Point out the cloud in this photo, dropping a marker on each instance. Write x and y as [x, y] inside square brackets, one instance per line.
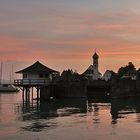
[61, 32]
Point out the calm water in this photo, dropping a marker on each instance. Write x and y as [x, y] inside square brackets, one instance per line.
[68, 119]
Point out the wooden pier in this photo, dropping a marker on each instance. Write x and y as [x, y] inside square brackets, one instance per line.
[31, 82]
[43, 88]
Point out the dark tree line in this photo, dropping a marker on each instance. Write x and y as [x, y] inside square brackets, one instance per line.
[130, 68]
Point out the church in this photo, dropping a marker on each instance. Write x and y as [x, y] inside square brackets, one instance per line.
[92, 72]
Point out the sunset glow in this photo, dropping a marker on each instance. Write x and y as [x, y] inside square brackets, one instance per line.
[65, 34]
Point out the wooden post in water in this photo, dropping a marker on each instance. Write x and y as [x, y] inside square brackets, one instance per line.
[37, 98]
[28, 93]
[32, 93]
[23, 95]
[37, 93]
[26, 97]
[32, 96]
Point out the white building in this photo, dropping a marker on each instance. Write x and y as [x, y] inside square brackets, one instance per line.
[93, 70]
[36, 74]
[130, 75]
[107, 75]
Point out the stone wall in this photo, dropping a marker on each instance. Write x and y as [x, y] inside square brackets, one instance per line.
[123, 88]
[46, 92]
[138, 82]
[70, 90]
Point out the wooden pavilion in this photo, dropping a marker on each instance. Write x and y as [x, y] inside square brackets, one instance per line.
[37, 75]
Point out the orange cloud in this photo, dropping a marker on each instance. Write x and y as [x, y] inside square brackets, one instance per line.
[74, 38]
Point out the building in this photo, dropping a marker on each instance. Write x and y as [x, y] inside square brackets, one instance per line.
[107, 75]
[36, 74]
[130, 75]
[93, 70]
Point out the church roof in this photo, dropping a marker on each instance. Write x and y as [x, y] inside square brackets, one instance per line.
[90, 68]
[95, 55]
[37, 67]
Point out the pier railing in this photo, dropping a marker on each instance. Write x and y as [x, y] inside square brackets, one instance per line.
[31, 82]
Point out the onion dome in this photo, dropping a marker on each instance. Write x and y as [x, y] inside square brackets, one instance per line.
[95, 56]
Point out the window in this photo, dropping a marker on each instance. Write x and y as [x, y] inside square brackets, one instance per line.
[25, 75]
[40, 75]
[46, 75]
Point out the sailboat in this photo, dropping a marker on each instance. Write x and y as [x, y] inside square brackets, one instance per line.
[7, 87]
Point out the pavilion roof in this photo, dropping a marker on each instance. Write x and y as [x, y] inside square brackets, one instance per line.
[37, 67]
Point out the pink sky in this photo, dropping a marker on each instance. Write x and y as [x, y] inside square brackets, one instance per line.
[65, 35]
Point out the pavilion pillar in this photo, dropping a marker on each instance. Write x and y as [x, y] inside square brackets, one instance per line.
[23, 94]
[37, 93]
[32, 93]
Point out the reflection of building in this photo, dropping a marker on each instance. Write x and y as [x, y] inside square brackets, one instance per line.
[93, 70]
[121, 108]
[35, 112]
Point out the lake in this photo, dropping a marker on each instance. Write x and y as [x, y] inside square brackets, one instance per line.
[68, 119]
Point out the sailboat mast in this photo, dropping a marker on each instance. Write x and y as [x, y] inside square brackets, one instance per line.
[12, 76]
[1, 74]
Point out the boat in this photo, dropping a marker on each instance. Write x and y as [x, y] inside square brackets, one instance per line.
[7, 87]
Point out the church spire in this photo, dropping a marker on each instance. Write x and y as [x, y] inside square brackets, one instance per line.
[95, 56]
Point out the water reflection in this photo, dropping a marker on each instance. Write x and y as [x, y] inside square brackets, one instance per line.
[97, 107]
[38, 126]
[67, 118]
[121, 108]
[41, 114]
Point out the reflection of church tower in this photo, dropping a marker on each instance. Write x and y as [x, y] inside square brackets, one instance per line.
[95, 66]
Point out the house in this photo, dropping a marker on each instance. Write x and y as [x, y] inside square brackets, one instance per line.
[107, 75]
[37, 73]
[130, 75]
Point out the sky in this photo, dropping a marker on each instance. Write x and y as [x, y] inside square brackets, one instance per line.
[64, 34]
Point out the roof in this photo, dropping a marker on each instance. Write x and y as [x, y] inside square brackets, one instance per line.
[110, 71]
[90, 68]
[37, 67]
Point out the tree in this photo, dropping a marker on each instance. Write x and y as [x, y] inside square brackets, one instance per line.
[69, 75]
[127, 69]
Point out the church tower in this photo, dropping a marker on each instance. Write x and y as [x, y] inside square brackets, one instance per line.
[95, 66]
[92, 72]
